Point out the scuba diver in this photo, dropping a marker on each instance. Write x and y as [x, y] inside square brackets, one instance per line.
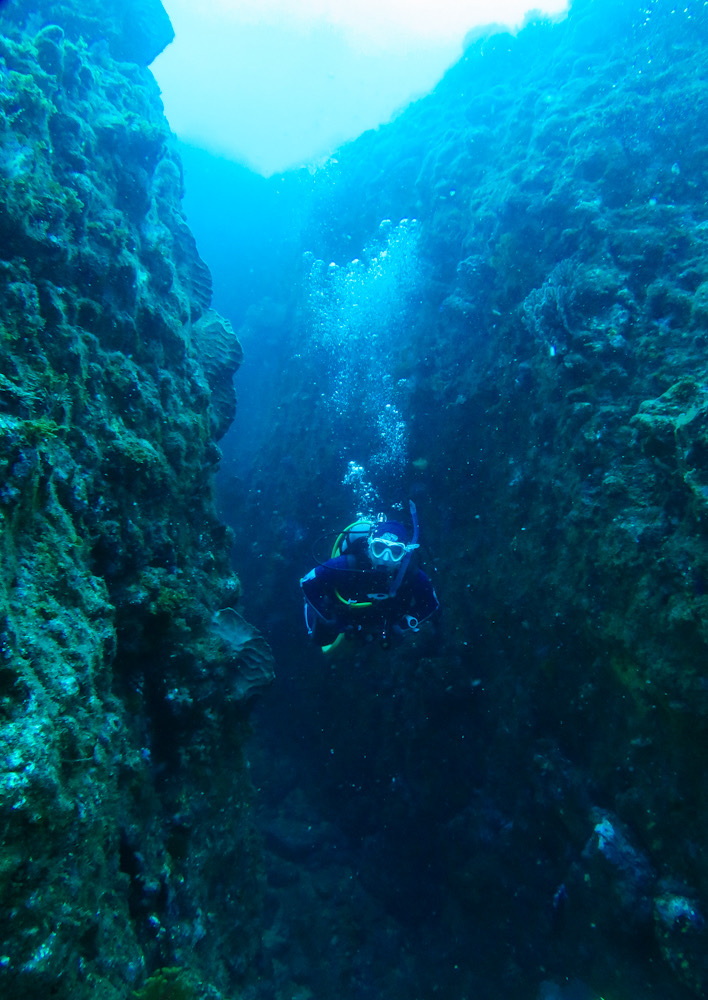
[368, 589]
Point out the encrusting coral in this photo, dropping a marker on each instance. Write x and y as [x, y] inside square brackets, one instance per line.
[115, 694]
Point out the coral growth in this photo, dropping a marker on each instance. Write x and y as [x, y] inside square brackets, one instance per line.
[112, 558]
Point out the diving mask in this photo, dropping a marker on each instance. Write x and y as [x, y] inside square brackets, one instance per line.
[387, 551]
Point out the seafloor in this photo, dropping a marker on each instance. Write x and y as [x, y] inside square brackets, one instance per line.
[517, 810]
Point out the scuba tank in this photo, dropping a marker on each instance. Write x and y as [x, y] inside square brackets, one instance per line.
[357, 531]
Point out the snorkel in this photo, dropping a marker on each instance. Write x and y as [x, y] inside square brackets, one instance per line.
[414, 519]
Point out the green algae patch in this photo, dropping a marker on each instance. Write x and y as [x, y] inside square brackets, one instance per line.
[674, 430]
[699, 307]
[170, 984]
[634, 681]
[127, 452]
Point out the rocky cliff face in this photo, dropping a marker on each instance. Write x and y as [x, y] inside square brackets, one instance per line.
[121, 696]
[554, 385]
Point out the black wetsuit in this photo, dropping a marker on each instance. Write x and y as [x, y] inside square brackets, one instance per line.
[348, 595]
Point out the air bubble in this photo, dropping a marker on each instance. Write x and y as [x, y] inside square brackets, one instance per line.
[357, 325]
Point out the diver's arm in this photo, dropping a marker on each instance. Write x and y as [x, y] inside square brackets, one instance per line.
[318, 588]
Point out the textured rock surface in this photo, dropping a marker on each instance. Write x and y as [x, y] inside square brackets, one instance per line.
[557, 408]
[135, 30]
[117, 698]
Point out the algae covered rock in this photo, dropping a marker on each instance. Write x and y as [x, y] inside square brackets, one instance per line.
[135, 30]
[674, 430]
[113, 561]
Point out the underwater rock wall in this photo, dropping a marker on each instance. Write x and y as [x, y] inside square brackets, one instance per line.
[123, 797]
[556, 376]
